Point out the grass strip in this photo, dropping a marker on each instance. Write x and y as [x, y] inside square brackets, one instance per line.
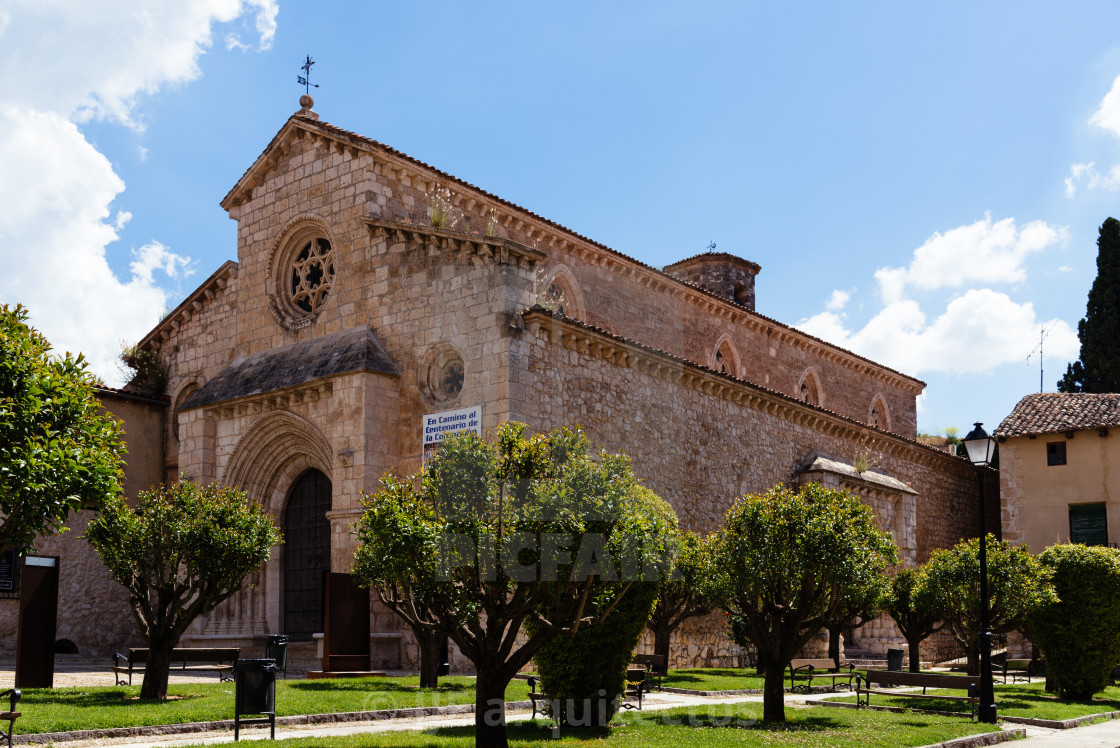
[93, 708]
[1013, 700]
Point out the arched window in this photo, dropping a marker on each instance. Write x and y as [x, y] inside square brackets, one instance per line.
[879, 416]
[560, 294]
[809, 388]
[725, 360]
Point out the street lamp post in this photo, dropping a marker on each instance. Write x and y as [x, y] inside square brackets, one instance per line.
[981, 448]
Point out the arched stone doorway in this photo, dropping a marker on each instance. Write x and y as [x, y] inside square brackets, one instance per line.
[307, 554]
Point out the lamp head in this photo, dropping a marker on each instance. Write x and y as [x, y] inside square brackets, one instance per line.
[981, 447]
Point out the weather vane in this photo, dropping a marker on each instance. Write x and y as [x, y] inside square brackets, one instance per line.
[305, 80]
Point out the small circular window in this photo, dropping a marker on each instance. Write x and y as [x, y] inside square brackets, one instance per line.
[441, 375]
[312, 273]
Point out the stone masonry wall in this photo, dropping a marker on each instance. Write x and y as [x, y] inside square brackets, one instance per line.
[696, 446]
[93, 610]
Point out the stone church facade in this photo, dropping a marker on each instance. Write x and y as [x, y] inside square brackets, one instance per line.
[372, 289]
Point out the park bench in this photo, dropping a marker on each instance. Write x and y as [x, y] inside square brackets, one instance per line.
[11, 715]
[656, 665]
[823, 668]
[634, 688]
[192, 659]
[877, 680]
[1014, 668]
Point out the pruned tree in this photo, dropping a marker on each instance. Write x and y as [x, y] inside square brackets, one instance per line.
[583, 674]
[681, 595]
[1079, 631]
[491, 534]
[58, 452]
[786, 562]
[913, 606]
[1016, 583]
[1097, 369]
[180, 552]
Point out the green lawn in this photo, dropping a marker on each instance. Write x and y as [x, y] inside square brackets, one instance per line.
[710, 726]
[1016, 700]
[60, 709]
[715, 679]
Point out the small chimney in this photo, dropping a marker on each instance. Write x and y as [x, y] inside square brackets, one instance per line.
[719, 273]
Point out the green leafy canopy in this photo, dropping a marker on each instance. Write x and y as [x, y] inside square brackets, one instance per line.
[180, 552]
[1079, 630]
[58, 453]
[1016, 583]
[1098, 366]
[787, 563]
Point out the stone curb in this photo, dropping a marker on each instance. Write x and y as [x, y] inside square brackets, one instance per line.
[227, 724]
[986, 738]
[1062, 724]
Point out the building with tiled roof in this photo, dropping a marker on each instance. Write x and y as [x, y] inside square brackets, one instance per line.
[1060, 470]
[377, 301]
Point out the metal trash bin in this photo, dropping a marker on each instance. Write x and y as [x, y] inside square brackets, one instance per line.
[276, 648]
[254, 693]
[894, 660]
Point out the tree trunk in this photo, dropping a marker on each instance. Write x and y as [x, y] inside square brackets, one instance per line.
[774, 693]
[834, 643]
[661, 638]
[490, 709]
[430, 645]
[974, 660]
[915, 655]
[156, 671]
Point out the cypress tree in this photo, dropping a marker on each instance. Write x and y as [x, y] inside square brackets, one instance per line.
[1098, 368]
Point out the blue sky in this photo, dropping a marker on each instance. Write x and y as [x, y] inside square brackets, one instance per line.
[921, 184]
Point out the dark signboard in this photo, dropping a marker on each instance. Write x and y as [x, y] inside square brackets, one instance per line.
[9, 571]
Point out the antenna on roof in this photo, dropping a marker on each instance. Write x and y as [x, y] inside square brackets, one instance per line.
[1042, 333]
[305, 79]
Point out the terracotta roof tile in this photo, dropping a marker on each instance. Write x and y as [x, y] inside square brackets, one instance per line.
[1055, 412]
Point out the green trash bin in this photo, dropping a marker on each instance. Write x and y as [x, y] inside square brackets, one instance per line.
[276, 649]
[254, 693]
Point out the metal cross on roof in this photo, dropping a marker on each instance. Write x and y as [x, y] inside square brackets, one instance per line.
[305, 80]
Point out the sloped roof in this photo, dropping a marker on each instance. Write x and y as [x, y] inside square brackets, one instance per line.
[1055, 412]
[308, 123]
[277, 368]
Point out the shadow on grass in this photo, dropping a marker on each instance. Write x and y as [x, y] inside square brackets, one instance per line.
[371, 685]
[100, 699]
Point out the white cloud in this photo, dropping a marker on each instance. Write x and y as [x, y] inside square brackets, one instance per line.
[1092, 179]
[978, 331]
[975, 330]
[838, 300]
[982, 252]
[65, 62]
[1107, 116]
[233, 41]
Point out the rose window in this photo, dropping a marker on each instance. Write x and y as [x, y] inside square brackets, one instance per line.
[312, 275]
[442, 375]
